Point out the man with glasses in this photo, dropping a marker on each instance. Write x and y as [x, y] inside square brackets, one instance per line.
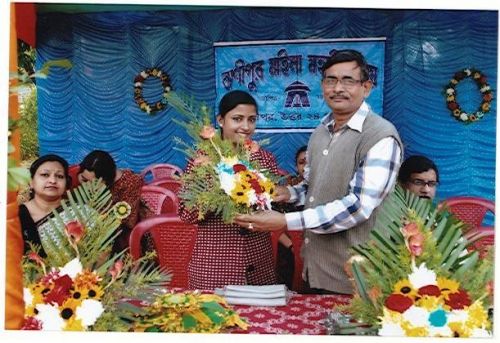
[419, 175]
[353, 160]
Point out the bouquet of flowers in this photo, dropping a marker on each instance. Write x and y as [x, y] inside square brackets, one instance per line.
[431, 285]
[222, 179]
[79, 285]
[183, 312]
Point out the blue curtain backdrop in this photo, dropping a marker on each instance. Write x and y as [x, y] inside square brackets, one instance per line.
[91, 106]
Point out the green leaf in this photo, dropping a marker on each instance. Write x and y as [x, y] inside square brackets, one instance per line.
[188, 321]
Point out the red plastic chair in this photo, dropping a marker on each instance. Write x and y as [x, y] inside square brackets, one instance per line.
[159, 171]
[483, 237]
[470, 210]
[167, 183]
[159, 201]
[297, 237]
[174, 242]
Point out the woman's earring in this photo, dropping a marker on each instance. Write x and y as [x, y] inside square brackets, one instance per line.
[32, 193]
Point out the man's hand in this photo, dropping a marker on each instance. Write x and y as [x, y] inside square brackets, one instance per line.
[262, 221]
[281, 194]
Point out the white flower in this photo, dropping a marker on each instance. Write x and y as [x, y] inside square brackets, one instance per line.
[484, 89]
[89, 311]
[458, 316]
[422, 276]
[463, 116]
[138, 84]
[467, 72]
[480, 333]
[144, 74]
[440, 331]
[158, 74]
[226, 182]
[417, 316]
[391, 329]
[450, 91]
[27, 297]
[72, 268]
[49, 316]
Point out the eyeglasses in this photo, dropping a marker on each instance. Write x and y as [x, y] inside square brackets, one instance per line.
[423, 183]
[330, 81]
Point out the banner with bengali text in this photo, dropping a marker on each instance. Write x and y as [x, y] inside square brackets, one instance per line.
[285, 77]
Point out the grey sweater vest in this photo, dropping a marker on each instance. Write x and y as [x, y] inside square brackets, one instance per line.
[326, 254]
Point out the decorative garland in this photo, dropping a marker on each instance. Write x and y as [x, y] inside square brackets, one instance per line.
[484, 88]
[138, 82]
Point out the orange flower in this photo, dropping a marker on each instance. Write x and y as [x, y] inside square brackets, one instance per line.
[415, 243]
[116, 270]
[75, 230]
[485, 107]
[207, 132]
[252, 146]
[201, 160]
[410, 230]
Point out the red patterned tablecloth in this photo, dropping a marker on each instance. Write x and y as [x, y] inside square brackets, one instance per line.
[304, 315]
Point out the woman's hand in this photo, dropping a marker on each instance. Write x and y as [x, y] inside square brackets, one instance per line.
[281, 194]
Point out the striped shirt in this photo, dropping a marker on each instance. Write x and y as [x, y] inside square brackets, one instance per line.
[373, 179]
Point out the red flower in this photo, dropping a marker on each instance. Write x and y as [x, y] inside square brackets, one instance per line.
[398, 302]
[256, 186]
[60, 292]
[452, 105]
[138, 78]
[239, 167]
[431, 290]
[459, 300]
[31, 323]
[487, 97]
[75, 230]
[482, 80]
[252, 146]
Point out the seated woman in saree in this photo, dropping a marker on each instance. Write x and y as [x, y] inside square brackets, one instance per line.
[225, 254]
[49, 182]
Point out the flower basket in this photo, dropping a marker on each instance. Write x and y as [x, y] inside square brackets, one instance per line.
[222, 179]
[431, 285]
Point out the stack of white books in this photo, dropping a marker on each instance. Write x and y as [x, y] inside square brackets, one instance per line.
[268, 295]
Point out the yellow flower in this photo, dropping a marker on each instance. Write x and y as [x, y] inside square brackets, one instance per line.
[477, 75]
[447, 286]
[240, 194]
[456, 112]
[268, 186]
[477, 316]
[68, 309]
[450, 98]
[430, 303]
[404, 287]
[485, 107]
[74, 325]
[414, 331]
[454, 81]
[122, 209]
[459, 329]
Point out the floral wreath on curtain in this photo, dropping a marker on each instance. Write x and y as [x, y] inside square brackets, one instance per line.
[484, 88]
[138, 83]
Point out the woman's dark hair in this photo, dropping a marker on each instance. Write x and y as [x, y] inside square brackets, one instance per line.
[234, 98]
[301, 149]
[348, 55]
[416, 164]
[51, 158]
[102, 164]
